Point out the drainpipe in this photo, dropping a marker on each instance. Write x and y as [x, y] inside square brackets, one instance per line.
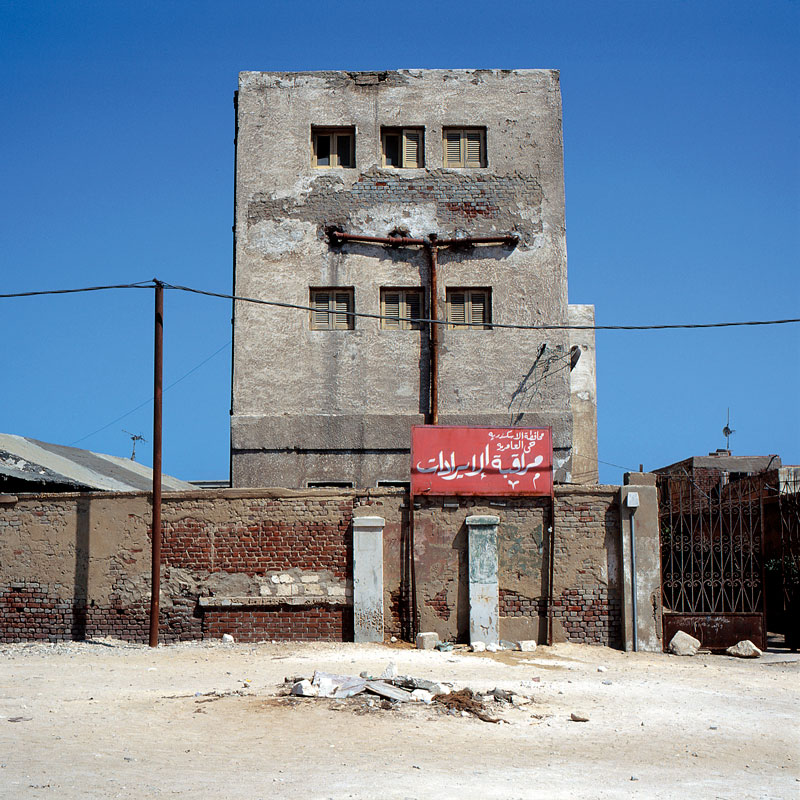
[433, 256]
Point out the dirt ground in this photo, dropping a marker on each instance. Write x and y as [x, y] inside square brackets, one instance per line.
[106, 719]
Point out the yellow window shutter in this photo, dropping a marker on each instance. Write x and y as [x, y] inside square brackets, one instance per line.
[458, 308]
[474, 148]
[391, 308]
[412, 156]
[478, 308]
[320, 305]
[452, 149]
[342, 319]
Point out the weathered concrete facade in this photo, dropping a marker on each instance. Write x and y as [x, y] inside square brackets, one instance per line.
[314, 406]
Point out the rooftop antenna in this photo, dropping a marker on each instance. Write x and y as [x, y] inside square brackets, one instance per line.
[135, 437]
[727, 431]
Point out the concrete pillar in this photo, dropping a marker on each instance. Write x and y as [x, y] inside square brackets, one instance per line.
[484, 591]
[368, 579]
[638, 501]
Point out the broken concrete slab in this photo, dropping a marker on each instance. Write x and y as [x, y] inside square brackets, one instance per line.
[526, 645]
[304, 688]
[682, 644]
[339, 686]
[385, 689]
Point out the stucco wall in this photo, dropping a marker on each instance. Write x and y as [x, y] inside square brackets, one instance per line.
[311, 405]
[278, 564]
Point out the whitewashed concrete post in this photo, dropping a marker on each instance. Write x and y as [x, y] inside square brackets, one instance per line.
[484, 592]
[368, 579]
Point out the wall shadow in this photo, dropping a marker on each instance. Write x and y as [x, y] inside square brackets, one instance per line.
[461, 546]
[80, 594]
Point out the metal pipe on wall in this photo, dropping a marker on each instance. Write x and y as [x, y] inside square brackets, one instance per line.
[433, 256]
[155, 557]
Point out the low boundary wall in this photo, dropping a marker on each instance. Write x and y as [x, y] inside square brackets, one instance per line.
[277, 564]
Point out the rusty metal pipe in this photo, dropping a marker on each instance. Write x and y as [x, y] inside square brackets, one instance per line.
[433, 255]
[396, 240]
[155, 559]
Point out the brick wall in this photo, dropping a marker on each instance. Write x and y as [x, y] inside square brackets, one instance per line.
[75, 566]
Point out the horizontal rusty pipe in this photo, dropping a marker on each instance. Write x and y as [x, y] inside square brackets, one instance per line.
[508, 239]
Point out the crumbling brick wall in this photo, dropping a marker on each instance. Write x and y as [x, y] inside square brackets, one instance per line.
[277, 564]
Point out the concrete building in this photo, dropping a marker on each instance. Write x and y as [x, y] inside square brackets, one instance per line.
[429, 158]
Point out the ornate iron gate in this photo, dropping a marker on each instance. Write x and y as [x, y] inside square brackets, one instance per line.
[712, 541]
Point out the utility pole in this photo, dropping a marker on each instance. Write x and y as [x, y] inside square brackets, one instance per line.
[155, 559]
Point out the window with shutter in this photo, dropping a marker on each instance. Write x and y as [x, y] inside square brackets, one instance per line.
[402, 307]
[333, 147]
[403, 148]
[469, 307]
[464, 147]
[331, 309]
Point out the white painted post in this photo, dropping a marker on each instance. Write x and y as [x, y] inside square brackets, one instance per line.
[484, 591]
[368, 579]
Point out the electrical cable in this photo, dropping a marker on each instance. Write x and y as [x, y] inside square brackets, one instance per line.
[139, 285]
[426, 321]
[150, 400]
[152, 283]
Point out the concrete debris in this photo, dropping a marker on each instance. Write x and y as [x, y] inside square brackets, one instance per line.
[422, 696]
[578, 717]
[526, 645]
[744, 649]
[227, 638]
[385, 689]
[338, 686]
[478, 647]
[304, 688]
[427, 640]
[434, 687]
[390, 671]
[506, 645]
[444, 647]
[502, 695]
[682, 644]
[602, 669]
[494, 647]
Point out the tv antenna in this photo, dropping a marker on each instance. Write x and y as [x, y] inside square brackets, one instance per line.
[135, 437]
[727, 431]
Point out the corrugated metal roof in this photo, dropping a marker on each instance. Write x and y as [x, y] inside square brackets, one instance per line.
[53, 464]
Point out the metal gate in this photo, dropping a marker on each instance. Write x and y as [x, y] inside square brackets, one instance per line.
[712, 571]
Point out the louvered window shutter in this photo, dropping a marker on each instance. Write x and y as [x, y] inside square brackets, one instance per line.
[478, 308]
[342, 319]
[458, 309]
[391, 308]
[320, 313]
[473, 144]
[452, 149]
[414, 308]
[412, 156]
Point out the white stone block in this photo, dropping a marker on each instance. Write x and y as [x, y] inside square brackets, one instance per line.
[306, 578]
[285, 578]
[336, 591]
[427, 640]
[526, 645]
[478, 647]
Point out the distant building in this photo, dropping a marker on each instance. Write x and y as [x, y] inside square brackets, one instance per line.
[28, 466]
[321, 397]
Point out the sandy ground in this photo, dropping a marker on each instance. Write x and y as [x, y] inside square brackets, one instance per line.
[106, 719]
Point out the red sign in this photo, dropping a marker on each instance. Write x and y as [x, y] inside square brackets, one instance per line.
[493, 461]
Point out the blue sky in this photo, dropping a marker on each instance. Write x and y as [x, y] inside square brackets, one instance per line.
[682, 166]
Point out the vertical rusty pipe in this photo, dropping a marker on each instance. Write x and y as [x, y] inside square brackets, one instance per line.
[155, 561]
[551, 568]
[413, 568]
[433, 253]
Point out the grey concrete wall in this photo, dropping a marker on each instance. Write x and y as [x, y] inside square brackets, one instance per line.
[646, 588]
[312, 405]
[583, 396]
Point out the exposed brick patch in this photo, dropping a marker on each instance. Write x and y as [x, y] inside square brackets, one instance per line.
[518, 605]
[315, 623]
[439, 604]
[589, 615]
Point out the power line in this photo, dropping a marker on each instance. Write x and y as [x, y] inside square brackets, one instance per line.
[140, 285]
[150, 400]
[361, 314]
[354, 314]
